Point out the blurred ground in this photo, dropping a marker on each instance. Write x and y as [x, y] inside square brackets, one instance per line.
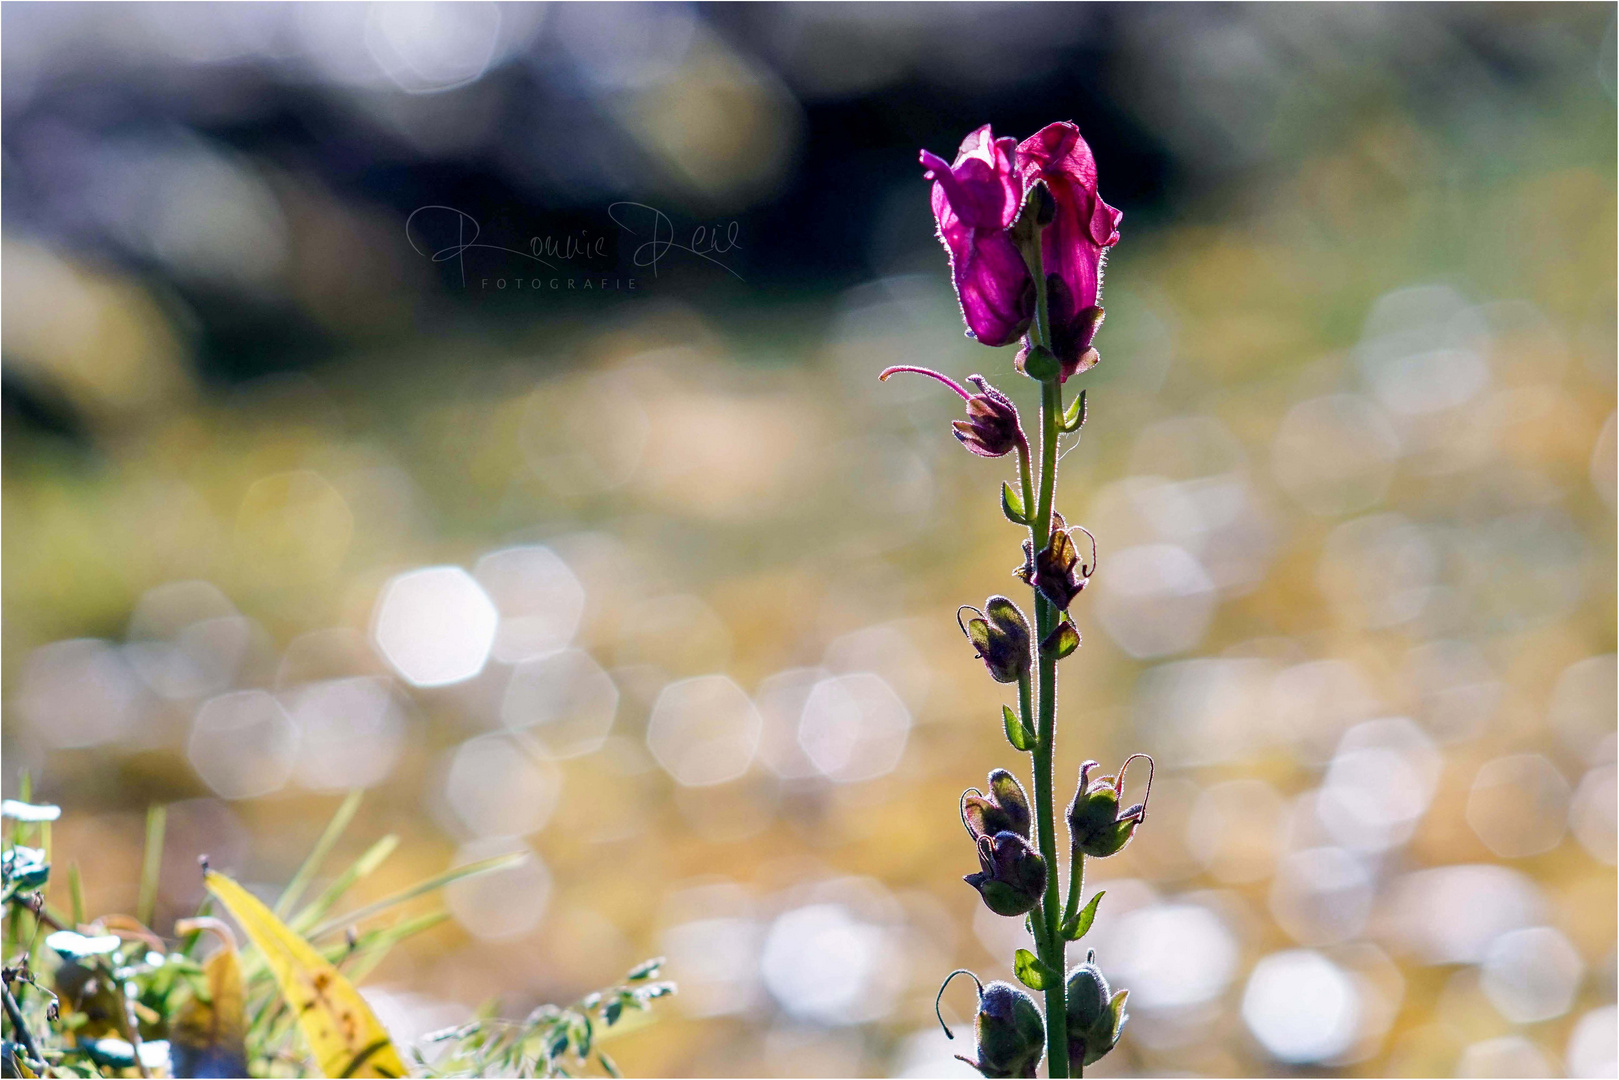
[657, 581]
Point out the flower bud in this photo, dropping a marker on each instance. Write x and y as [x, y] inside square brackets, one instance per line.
[992, 427]
[1037, 210]
[1057, 570]
[1009, 1031]
[1095, 1015]
[1012, 878]
[1095, 824]
[1004, 809]
[1000, 637]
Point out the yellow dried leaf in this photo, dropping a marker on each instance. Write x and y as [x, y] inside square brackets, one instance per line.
[207, 1036]
[342, 1032]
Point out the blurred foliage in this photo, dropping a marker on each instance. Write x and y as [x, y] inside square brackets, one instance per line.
[108, 997]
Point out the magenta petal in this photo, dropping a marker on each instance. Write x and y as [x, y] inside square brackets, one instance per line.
[993, 284]
[1085, 226]
[975, 201]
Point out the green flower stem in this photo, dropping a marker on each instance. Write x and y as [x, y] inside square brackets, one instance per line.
[1026, 481]
[1053, 947]
[1076, 885]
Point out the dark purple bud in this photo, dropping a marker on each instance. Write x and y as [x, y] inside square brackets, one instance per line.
[992, 428]
[1057, 571]
[1000, 637]
[1004, 809]
[1012, 876]
[1010, 1032]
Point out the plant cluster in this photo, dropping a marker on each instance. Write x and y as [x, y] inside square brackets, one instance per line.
[108, 996]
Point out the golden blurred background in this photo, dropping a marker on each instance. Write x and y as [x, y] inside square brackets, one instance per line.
[657, 582]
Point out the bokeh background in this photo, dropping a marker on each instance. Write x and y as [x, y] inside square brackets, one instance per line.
[655, 580]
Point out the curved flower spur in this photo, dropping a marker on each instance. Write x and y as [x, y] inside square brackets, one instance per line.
[1027, 233]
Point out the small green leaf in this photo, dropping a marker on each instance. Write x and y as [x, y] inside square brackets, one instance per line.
[584, 1033]
[646, 969]
[1080, 924]
[614, 1010]
[1012, 505]
[1074, 418]
[29, 812]
[1016, 733]
[609, 1066]
[1060, 642]
[24, 868]
[1032, 972]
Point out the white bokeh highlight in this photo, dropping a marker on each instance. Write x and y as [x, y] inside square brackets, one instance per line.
[243, 745]
[539, 599]
[435, 626]
[854, 727]
[1301, 1007]
[564, 701]
[703, 730]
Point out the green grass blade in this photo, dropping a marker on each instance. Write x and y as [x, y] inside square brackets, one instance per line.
[157, 817]
[75, 892]
[369, 955]
[317, 855]
[362, 867]
[483, 866]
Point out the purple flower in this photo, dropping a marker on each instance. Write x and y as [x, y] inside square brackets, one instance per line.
[975, 201]
[1074, 244]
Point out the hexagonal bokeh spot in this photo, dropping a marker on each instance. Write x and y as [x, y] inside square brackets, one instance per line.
[80, 692]
[565, 701]
[243, 745]
[1518, 805]
[435, 626]
[1532, 974]
[496, 789]
[505, 904]
[350, 732]
[539, 599]
[703, 730]
[780, 700]
[854, 727]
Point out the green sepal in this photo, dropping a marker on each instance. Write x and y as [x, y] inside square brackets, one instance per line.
[1012, 505]
[1074, 418]
[1080, 924]
[1040, 363]
[1033, 972]
[1114, 1027]
[1016, 734]
[1061, 642]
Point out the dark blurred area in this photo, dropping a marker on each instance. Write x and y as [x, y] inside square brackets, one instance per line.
[392, 388]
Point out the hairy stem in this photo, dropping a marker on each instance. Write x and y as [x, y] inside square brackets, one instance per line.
[1046, 616]
[1076, 884]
